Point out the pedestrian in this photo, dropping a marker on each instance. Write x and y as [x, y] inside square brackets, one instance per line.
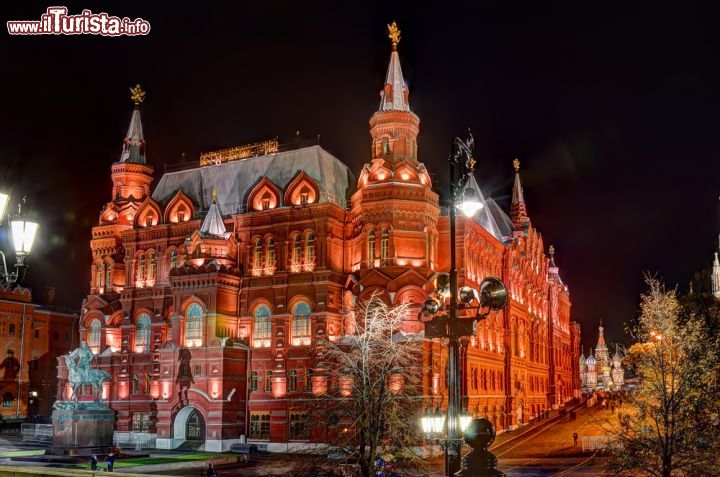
[93, 462]
[211, 470]
[110, 461]
[575, 439]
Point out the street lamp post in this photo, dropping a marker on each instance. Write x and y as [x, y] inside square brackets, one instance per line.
[492, 295]
[23, 236]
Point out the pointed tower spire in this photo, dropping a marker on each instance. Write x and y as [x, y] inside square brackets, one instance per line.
[518, 212]
[395, 94]
[213, 223]
[134, 143]
[715, 277]
[601, 338]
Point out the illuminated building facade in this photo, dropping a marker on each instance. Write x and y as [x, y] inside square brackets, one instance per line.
[600, 370]
[32, 337]
[210, 289]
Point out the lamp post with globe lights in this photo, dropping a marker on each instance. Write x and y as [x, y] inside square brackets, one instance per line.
[22, 232]
[492, 296]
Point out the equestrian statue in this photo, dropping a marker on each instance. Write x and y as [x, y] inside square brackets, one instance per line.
[80, 372]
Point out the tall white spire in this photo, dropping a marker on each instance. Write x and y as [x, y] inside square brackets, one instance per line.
[715, 278]
[134, 143]
[213, 224]
[395, 94]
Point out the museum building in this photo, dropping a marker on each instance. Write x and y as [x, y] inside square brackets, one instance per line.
[211, 287]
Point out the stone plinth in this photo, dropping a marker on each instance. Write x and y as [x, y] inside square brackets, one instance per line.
[81, 429]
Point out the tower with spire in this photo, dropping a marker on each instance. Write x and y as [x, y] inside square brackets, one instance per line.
[518, 210]
[394, 208]
[131, 179]
[715, 277]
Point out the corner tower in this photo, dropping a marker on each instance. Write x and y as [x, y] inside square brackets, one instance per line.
[131, 178]
[394, 210]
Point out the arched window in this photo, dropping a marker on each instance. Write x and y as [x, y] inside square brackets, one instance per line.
[258, 257]
[173, 259]
[384, 246]
[7, 399]
[295, 265]
[140, 268]
[142, 334]
[265, 200]
[270, 256]
[262, 327]
[301, 324]
[385, 146]
[108, 276]
[371, 249]
[152, 266]
[98, 275]
[11, 329]
[183, 254]
[309, 252]
[181, 213]
[94, 336]
[194, 326]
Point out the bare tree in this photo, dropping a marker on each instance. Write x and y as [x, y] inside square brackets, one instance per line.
[374, 383]
[671, 423]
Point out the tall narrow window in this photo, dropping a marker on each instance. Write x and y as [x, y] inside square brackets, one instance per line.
[308, 380]
[173, 259]
[304, 194]
[183, 254]
[270, 256]
[292, 380]
[253, 381]
[194, 326]
[140, 268]
[257, 257]
[142, 334]
[265, 201]
[301, 324]
[94, 335]
[98, 275]
[108, 276]
[309, 252]
[11, 329]
[371, 249]
[262, 327]
[295, 265]
[268, 381]
[152, 266]
[384, 246]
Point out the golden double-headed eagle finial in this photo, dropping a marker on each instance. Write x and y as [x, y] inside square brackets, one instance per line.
[516, 164]
[394, 35]
[137, 95]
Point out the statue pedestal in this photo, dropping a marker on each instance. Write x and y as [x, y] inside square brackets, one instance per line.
[81, 429]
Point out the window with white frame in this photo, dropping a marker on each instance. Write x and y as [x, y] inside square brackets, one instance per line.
[94, 336]
[309, 252]
[194, 326]
[262, 327]
[301, 324]
[142, 334]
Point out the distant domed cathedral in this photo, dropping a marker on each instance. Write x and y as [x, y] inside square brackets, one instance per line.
[214, 286]
[599, 371]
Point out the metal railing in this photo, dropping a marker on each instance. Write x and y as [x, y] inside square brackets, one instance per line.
[36, 432]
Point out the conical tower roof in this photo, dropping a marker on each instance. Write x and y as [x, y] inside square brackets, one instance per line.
[134, 143]
[213, 224]
[395, 94]
[518, 210]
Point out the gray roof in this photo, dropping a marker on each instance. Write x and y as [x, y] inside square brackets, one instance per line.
[502, 220]
[234, 180]
[134, 143]
[213, 223]
[396, 102]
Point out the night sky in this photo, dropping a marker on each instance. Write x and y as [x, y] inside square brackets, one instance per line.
[613, 112]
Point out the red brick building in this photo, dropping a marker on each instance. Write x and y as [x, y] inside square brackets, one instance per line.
[32, 336]
[210, 287]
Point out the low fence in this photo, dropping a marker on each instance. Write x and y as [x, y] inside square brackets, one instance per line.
[36, 432]
[135, 440]
[593, 443]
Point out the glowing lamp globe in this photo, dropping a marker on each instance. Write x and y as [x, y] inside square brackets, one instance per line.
[23, 235]
[465, 420]
[470, 203]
